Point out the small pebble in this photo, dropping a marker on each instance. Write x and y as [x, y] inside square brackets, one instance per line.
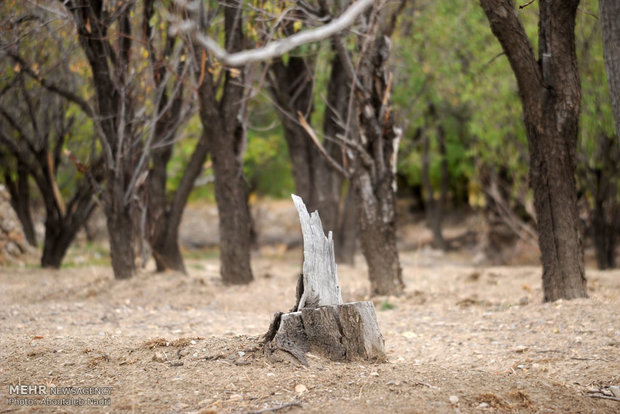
[300, 389]
[454, 399]
[159, 357]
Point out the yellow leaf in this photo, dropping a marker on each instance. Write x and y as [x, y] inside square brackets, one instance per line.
[297, 26]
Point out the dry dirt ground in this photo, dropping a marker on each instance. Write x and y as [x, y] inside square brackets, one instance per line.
[461, 339]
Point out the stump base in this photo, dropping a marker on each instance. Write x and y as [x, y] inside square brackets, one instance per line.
[338, 332]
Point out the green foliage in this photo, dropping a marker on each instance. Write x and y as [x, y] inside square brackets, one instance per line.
[596, 115]
[267, 164]
[385, 305]
[445, 56]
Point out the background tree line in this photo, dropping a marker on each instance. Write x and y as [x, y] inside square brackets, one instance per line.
[504, 108]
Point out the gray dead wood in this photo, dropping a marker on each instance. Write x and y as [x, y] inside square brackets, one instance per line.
[320, 323]
[320, 279]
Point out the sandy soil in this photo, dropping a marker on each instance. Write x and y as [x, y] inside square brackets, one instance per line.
[462, 339]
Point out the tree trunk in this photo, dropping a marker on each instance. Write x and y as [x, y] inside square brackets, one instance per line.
[433, 210]
[606, 212]
[223, 117]
[605, 237]
[375, 172]
[165, 217]
[20, 201]
[121, 236]
[166, 251]
[609, 12]
[231, 194]
[551, 97]
[291, 87]
[163, 225]
[378, 236]
[315, 180]
[115, 106]
[346, 239]
[328, 181]
[58, 238]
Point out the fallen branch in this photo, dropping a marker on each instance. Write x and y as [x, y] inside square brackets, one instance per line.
[604, 397]
[278, 408]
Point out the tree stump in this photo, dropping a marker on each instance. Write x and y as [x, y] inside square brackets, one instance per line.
[319, 322]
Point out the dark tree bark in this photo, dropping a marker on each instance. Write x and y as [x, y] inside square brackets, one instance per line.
[121, 235]
[316, 181]
[606, 212]
[37, 147]
[224, 123]
[165, 210]
[336, 113]
[114, 108]
[165, 216]
[434, 207]
[291, 86]
[19, 190]
[346, 237]
[61, 229]
[609, 13]
[551, 96]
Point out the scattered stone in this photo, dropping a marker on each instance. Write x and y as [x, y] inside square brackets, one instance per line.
[300, 389]
[454, 399]
[179, 406]
[483, 405]
[159, 357]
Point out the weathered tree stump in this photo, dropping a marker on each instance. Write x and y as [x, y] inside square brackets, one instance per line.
[319, 322]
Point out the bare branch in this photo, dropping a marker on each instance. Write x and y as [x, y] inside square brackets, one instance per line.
[279, 47]
[317, 143]
[84, 106]
[523, 6]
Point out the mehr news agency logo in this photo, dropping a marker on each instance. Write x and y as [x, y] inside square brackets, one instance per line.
[43, 395]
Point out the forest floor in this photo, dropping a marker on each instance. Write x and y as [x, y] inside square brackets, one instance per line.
[463, 338]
